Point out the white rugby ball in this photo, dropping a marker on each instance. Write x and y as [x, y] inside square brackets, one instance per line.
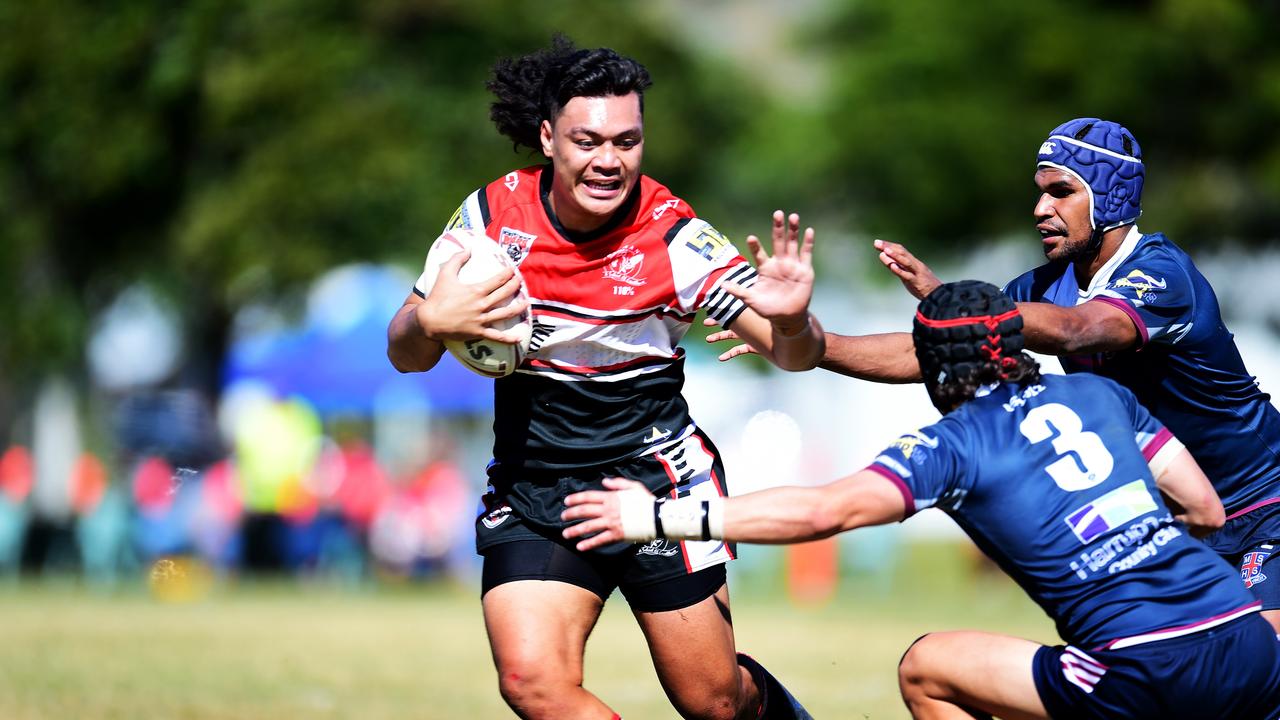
[486, 357]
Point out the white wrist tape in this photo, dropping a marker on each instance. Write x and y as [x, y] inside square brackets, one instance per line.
[636, 511]
[645, 517]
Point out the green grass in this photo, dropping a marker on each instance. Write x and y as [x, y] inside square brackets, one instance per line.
[287, 650]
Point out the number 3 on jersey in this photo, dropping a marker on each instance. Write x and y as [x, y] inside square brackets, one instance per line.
[1092, 462]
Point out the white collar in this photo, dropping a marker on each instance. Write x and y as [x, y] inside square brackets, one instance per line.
[1102, 278]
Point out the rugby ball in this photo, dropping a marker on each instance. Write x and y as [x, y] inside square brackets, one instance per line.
[486, 357]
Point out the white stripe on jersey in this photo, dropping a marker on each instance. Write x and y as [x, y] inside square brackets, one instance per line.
[1081, 670]
[720, 304]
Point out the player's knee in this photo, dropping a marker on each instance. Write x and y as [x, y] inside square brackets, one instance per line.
[531, 690]
[914, 675]
[707, 701]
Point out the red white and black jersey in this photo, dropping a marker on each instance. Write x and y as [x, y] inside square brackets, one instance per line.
[603, 377]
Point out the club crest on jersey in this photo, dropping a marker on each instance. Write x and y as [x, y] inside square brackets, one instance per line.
[623, 265]
[515, 243]
[911, 441]
[1141, 283]
[511, 180]
[1251, 567]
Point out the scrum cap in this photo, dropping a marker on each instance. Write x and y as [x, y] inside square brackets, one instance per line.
[962, 326]
[1106, 159]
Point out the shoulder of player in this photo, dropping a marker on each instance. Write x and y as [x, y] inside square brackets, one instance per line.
[1032, 284]
[1159, 259]
[515, 189]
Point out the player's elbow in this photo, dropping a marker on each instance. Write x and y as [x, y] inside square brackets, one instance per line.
[827, 519]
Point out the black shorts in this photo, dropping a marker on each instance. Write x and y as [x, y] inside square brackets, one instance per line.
[544, 559]
[528, 512]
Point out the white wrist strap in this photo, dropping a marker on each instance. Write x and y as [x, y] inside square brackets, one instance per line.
[644, 517]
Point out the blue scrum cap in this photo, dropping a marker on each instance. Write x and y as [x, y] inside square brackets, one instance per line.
[1104, 157]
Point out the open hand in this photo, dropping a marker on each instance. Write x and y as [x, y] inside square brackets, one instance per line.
[600, 512]
[916, 277]
[784, 281]
[721, 335]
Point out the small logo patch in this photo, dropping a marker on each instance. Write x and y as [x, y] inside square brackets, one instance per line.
[515, 243]
[1046, 148]
[496, 515]
[511, 180]
[662, 209]
[660, 548]
[1251, 567]
[1141, 283]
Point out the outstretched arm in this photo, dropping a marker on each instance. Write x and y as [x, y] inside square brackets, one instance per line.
[886, 357]
[627, 512]
[1090, 327]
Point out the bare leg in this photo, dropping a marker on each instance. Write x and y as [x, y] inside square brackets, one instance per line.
[954, 674]
[694, 655]
[538, 632]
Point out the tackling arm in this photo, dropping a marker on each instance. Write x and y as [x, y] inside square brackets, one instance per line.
[1087, 328]
[627, 512]
[1186, 489]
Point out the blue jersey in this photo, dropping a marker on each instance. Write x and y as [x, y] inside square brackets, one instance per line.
[1052, 482]
[1187, 372]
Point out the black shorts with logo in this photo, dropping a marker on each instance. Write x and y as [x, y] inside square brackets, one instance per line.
[518, 531]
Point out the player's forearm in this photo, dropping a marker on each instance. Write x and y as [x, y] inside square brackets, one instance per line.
[1088, 328]
[887, 357]
[774, 516]
[408, 347]
[1188, 492]
[798, 349]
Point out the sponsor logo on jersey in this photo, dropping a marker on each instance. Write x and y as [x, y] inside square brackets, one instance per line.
[662, 209]
[511, 180]
[515, 243]
[1110, 511]
[624, 264]
[909, 442]
[1251, 566]
[1141, 283]
[1046, 148]
[708, 243]
[660, 548]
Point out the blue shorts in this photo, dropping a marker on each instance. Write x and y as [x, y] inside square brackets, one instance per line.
[1230, 671]
[1250, 543]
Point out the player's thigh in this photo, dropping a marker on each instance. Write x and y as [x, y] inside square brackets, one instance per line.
[538, 629]
[693, 650]
[983, 671]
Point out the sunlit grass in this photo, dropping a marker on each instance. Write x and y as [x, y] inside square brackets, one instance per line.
[286, 650]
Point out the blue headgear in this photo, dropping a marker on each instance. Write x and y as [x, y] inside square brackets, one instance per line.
[1104, 157]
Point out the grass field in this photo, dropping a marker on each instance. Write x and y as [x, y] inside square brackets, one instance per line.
[299, 650]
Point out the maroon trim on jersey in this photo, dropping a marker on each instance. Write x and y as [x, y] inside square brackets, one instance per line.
[892, 477]
[1251, 508]
[624, 211]
[1128, 310]
[543, 365]
[664, 311]
[1149, 451]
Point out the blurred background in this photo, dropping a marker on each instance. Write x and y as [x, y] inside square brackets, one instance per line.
[209, 210]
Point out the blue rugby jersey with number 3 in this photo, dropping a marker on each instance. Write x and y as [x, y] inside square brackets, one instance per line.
[1052, 482]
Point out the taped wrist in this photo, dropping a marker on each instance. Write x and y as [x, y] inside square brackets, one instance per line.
[645, 518]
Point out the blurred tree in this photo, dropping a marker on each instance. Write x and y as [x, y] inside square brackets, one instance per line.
[229, 151]
[935, 111]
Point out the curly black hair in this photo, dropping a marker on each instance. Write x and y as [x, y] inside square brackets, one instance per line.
[535, 87]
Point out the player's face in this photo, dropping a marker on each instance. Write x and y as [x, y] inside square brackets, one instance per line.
[1062, 214]
[595, 145]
